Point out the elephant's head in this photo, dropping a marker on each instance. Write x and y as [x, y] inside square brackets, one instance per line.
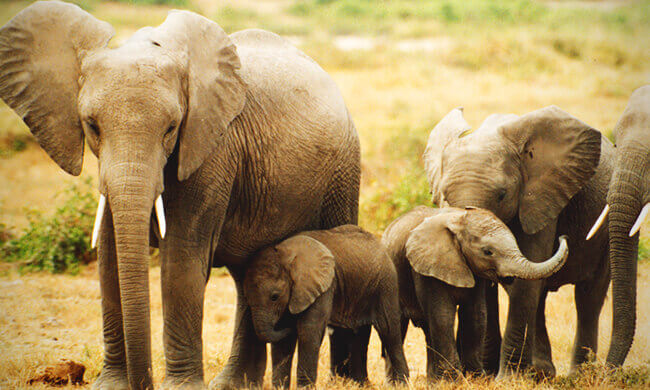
[630, 184]
[173, 89]
[284, 280]
[530, 166]
[456, 245]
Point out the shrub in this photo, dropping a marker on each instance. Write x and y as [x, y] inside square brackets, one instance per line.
[644, 249]
[59, 243]
[385, 204]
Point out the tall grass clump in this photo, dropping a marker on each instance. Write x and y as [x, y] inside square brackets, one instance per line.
[57, 243]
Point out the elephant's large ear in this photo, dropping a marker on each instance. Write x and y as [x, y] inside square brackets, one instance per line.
[215, 91]
[433, 250]
[41, 49]
[311, 266]
[451, 127]
[559, 154]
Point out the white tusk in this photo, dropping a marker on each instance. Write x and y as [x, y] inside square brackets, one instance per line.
[637, 225]
[101, 205]
[160, 214]
[599, 222]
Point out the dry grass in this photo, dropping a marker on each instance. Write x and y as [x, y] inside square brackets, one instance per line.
[45, 318]
[585, 59]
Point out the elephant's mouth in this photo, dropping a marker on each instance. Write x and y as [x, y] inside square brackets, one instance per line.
[286, 323]
[506, 280]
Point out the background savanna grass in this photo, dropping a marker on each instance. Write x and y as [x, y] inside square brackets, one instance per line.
[401, 66]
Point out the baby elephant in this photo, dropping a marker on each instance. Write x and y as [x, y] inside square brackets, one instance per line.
[341, 277]
[438, 253]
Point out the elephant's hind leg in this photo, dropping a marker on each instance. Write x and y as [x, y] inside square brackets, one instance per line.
[589, 298]
[389, 327]
[340, 342]
[359, 355]
[341, 201]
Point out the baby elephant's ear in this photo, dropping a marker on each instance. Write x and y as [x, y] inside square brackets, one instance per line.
[311, 266]
[433, 251]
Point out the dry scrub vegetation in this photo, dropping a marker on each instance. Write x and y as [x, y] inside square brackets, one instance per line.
[401, 66]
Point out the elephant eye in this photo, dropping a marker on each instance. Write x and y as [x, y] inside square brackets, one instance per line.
[170, 129]
[487, 252]
[92, 125]
[501, 195]
[275, 297]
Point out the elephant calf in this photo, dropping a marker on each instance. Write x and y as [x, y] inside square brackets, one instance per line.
[437, 254]
[340, 277]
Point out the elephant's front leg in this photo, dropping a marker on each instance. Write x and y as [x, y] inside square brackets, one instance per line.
[113, 375]
[492, 344]
[472, 323]
[282, 356]
[518, 339]
[542, 354]
[247, 360]
[184, 270]
[524, 297]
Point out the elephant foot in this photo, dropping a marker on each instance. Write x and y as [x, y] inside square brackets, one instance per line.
[231, 379]
[183, 384]
[543, 370]
[111, 378]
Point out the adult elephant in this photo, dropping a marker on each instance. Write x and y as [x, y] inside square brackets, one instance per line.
[545, 174]
[246, 138]
[628, 202]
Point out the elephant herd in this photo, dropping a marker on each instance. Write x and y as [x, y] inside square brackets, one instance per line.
[238, 151]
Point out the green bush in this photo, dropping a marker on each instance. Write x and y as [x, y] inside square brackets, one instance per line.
[644, 249]
[385, 204]
[59, 243]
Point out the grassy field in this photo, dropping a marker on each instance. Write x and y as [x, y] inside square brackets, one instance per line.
[401, 66]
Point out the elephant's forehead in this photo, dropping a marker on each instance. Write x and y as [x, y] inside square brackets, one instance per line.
[474, 154]
[134, 64]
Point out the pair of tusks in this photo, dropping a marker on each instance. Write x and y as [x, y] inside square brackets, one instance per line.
[635, 228]
[101, 205]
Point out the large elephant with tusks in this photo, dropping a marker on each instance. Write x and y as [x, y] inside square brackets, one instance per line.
[231, 142]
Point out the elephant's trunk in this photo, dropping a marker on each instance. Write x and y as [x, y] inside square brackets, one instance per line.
[131, 192]
[523, 268]
[265, 329]
[625, 204]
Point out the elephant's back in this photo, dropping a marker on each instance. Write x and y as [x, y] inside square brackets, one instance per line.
[394, 239]
[294, 83]
[363, 272]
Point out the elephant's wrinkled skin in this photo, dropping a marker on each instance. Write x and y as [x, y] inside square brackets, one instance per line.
[629, 202]
[437, 253]
[544, 174]
[247, 139]
[340, 277]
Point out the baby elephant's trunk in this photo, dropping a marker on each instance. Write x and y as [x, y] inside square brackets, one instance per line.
[265, 329]
[521, 267]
